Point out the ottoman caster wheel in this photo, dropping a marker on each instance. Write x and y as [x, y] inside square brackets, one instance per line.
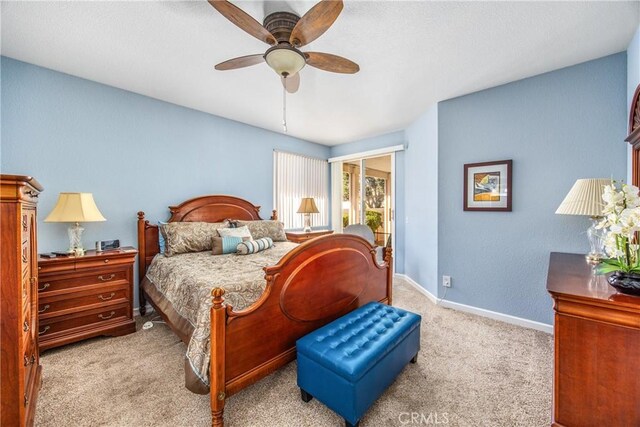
[306, 397]
[348, 424]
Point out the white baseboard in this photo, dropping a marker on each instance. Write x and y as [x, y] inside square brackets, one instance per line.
[136, 311]
[419, 288]
[507, 318]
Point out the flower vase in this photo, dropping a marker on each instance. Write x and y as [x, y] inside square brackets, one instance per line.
[626, 283]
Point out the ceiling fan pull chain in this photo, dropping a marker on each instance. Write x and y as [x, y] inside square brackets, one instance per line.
[284, 106]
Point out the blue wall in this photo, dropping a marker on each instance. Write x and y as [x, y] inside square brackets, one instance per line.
[383, 141]
[557, 127]
[421, 201]
[132, 152]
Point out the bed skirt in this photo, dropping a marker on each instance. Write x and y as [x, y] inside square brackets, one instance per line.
[181, 326]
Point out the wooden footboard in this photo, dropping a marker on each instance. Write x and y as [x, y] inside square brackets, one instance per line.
[312, 285]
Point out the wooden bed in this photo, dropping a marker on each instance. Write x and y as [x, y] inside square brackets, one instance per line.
[315, 283]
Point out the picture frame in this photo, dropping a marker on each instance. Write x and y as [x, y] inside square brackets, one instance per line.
[487, 186]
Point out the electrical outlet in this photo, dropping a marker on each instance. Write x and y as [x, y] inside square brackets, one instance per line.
[446, 281]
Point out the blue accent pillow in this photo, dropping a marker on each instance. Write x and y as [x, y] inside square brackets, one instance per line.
[252, 246]
[225, 245]
[161, 239]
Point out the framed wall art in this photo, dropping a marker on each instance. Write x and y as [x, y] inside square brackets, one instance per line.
[487, 186]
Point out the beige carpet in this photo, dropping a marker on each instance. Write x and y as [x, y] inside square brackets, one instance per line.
[471, 371]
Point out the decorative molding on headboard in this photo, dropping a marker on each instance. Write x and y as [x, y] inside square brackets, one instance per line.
[634, 137]
[634, 119]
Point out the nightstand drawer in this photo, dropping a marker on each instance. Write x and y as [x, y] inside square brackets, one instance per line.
[55, 305]
[60, 282]
[71, 322]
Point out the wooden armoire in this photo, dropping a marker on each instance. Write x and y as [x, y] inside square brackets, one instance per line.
[20, 368]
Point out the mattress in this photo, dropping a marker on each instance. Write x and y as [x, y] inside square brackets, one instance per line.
[180, 286]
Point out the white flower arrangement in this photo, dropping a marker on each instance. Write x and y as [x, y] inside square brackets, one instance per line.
[621, 222]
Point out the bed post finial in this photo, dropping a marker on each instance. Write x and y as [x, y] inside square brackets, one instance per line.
[140, 215]
[274, 215]
[217, 294]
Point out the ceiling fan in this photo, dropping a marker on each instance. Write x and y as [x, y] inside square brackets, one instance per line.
[287, 32]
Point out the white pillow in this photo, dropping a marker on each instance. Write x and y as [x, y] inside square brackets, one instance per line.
[235, 232]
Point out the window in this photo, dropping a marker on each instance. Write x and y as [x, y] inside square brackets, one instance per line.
[296, 177]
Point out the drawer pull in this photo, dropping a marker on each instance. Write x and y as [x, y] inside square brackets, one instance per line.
[103, 298]
[106, 278]
[45, 286]
[28, 361]
[25, 326]
[106, 261]
[103, 317]
[44, 331]
[45, 308]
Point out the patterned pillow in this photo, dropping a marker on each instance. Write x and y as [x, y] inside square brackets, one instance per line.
[235, 232]
[226, 245]
[252, 246]
[266, 228]
[184, 237]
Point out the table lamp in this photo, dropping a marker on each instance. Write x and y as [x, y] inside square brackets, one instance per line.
[585, 198]
[75, 208]
[307, 207]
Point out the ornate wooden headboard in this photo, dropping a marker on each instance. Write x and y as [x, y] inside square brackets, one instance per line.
[215, 208]
[634, 137]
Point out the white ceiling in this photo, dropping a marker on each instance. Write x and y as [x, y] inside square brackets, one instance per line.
[411, 54]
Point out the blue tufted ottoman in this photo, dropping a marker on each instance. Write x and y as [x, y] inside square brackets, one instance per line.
[350, 362]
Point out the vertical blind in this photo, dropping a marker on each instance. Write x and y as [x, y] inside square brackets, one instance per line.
[296, 177]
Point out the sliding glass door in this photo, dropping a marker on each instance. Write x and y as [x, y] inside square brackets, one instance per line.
[367, 195]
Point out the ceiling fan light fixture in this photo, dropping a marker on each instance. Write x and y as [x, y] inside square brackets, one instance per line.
[285, 60]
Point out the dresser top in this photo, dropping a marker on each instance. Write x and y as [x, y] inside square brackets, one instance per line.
[570, 276]
[89, 255]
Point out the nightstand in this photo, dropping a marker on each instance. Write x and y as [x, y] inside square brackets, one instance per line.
[301, 236]
[80, 297]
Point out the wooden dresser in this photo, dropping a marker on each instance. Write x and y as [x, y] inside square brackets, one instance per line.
[301, 236]
[597, 348]
[20, 368]
[85, 296]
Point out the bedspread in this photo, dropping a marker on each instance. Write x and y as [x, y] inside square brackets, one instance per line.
[186, 281]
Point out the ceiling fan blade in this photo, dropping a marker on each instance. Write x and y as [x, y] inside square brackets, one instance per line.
[240, 62]
[333, 63]
[291, 83]
[315, 22]
[243, 20]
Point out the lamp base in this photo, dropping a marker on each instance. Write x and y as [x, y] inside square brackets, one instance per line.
[307, 223]
[596, 242]
[593, 259]
[75, 239]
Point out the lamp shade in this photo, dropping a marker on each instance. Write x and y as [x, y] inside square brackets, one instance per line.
[584, 198]
[75, 207]
[308, 205]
